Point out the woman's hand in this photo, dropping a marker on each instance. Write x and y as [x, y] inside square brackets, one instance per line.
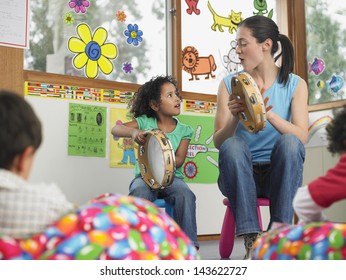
[235, 105]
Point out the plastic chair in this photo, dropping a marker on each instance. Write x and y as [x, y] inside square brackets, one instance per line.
[228, 227]
[161, 203]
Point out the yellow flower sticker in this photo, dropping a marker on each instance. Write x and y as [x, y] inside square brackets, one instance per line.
[92, 52]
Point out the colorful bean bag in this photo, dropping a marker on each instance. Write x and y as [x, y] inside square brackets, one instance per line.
[313, 241]
[113, 227]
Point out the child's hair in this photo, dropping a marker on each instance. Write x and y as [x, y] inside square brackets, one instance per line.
[149, 92]
[336, 132]
[263, 28]
[20, 127]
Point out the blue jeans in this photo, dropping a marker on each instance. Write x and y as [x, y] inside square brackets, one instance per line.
[179, 195]
[242, 181]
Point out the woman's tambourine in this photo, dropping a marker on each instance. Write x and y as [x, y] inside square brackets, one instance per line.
[254, 117]
[156, 160]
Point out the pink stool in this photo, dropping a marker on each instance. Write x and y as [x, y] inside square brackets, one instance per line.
[228, 227]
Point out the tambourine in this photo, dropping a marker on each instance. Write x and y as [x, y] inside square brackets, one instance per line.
[254, 117]
[156, 160]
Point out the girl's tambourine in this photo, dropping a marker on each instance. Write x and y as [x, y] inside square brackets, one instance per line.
[254, 116]
[156, 160]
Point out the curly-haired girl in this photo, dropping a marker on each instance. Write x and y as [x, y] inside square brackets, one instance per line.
[155, 106]
[311, 200]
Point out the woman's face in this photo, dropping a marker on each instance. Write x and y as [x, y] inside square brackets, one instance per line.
[249, 51]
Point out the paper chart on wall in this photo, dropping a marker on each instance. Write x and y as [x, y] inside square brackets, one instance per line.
[87, 130]
[14, 27]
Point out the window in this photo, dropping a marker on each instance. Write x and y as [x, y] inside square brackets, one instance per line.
[208, 31]
[167, 26]
[326, 50]
[138, 56]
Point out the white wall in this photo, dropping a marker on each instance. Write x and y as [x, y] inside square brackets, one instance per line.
[83, 178]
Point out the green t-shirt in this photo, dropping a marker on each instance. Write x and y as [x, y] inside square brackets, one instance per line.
[181, 131]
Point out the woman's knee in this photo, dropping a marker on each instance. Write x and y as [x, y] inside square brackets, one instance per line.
[290, 146]
[233, 147]
[290, 143]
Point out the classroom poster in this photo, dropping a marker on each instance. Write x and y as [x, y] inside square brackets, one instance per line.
[14, 23]
[318, 121]
[201, 163]
[123, 151]
[87, 130]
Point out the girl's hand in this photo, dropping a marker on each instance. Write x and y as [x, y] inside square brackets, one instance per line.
[139, 136]
[235, 105]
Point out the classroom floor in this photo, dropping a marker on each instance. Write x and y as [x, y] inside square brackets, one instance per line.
[209, 250]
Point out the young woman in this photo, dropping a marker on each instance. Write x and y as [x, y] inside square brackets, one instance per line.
[268, 163]
[155, 106]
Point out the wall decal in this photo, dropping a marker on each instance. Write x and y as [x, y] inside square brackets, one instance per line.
[192, 7]
[196, 65]
[335, 83]
[92, 52]
[317, 66]
[231, 21]
[134, 35]
[79, 5]
[232, 60]
[68, 19]
[121, 16]
[127, 68]
[262, 7]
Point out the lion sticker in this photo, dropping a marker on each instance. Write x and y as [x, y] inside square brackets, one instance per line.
[195, 65]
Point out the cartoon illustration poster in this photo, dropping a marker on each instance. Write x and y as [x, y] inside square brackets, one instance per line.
[201, 164]
[87, 130]
[123, 151]
[317, 128]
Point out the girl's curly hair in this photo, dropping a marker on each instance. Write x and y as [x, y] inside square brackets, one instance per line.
[149, 92]
[336, 132]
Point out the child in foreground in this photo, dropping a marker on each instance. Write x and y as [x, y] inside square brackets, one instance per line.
[25, 209]
[310, 201]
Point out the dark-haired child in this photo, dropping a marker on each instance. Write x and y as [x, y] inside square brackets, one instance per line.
[310, 201]
[25, 209]
[155, 106]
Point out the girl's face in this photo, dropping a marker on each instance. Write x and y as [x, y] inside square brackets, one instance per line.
[249, 51]
[170, 101]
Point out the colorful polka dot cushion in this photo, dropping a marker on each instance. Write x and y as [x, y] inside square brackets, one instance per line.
[113, 227]
[313, 241]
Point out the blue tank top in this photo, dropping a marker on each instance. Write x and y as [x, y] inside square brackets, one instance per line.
[280, 97]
